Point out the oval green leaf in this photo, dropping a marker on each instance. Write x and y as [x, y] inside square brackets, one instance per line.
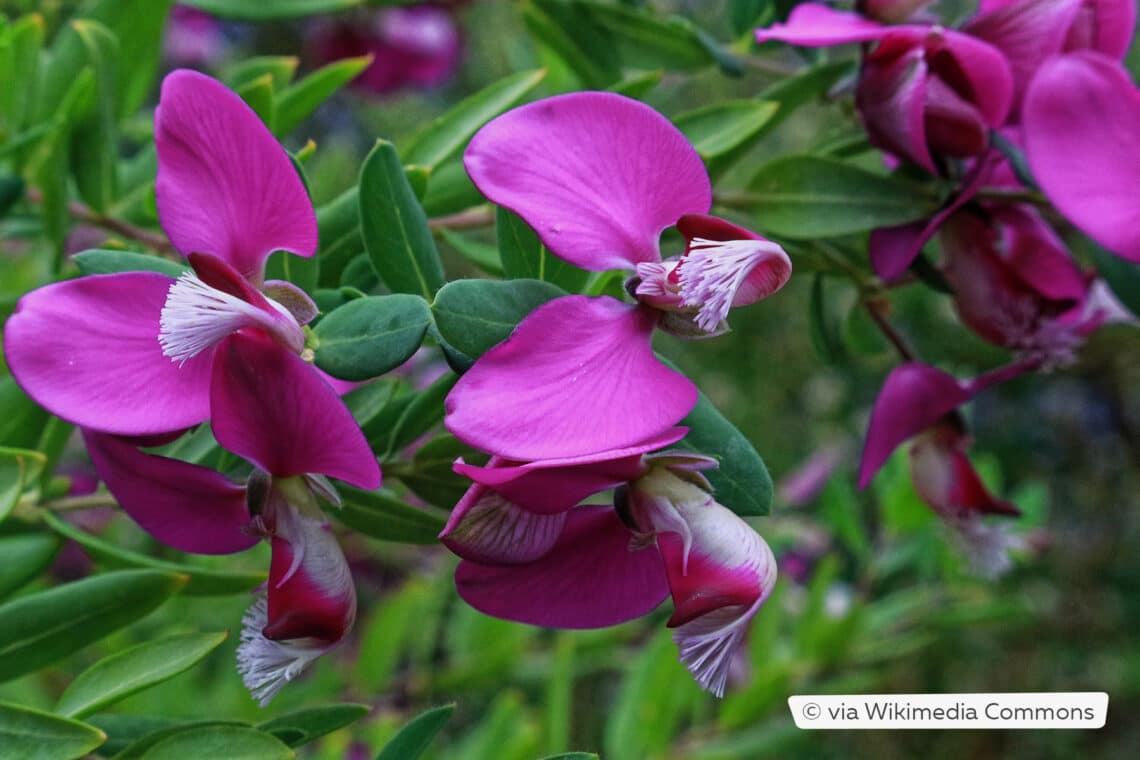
[742, 481]
[382, 515]
[303, 726]
[219, 741]
[415, 737]
[722, 127]
[369, 336]
[525, 257]
[134, 669]
[260, 10]
[99, 261]
[474, 315]
[199, 580]
[805, 197]
[25, 557]
[50, 625]
[394, 226]
[29, 734]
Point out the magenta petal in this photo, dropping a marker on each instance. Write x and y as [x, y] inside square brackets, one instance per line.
[590, 579]
[577, 377]
[976, 69]
[88, 351]
[913, 398]
[272, 408]
[485, 527]
[815, 25]
[555, 485]
[597, 175]
[191, 508]
[891, 97]
[225, 186]
[1080, 124]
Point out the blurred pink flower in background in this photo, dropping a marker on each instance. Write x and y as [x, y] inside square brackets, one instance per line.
[192, 39]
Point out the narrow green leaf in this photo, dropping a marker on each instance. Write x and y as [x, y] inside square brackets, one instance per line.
[474, 315]
[132, 670]
[805, 197]
[298, 101]
[742, 481]
[338, 226]
[395, 228]
[647, 41]
[381, 515]
[22, 74]
[716, 129]
[26, 555]
[261, 10]
[430, 475]
[589, 51]
[279, 68]
[447, 135]
[258, 95]
[409, 418]
[822, 326]
[303, 726]
[450, 190]
[95, 141]
[524, 255]
[29, 734]
[573, 756]
[415, 737]
[49, 625]
[18, 468]
[23, 419]
[123, 730]
[646, 713]
[218, 741]
[370, 336]
[198, 581]
[140, 745]
[638, 85]
[482, 255]
[100, 261]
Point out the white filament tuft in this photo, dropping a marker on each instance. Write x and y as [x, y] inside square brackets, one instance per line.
[197, 316]
[713, 271]
[265, 665]
[708, 643]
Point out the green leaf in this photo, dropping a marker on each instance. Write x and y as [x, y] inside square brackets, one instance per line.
[21, 73]
[381, 515]
[338, 227]
[395, 228]
[95, 141]
[808, 85]
[29, 734]
[132, 670]
[138, 746]
[430, 476]
[646, 41]
[18, 467]
[50, 625]
[199, 581]
[264, 10]
[474, 315]
[296, 102]
[123, 730]
[303, 726]
[22, 420]
[805, 197]
[587, 50]
[258, 95]
[646, 713]
[403, 422]
[742, 481]
[638, 85]
[573, 756]
[101, 261]
[524, 255]
[279, 68]
[822, 326]
[450, 191]
[482, 255]
[370, 336]
[415, 737]
[716, 129]
[447, 135]
[218, 741]
[26, 555]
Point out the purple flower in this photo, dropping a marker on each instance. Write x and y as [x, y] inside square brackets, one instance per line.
[134, 353]
[599, 177]
[530, 555]
[309, 604]
[923, 92]
[1079, 123]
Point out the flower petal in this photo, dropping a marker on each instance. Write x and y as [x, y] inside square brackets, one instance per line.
[590, 579]
[597, 175]
[1079, 117]
[486, 527]
[946, 481]
[272, 408]
[891, 96]
[225, 185]
[913, 398]
[816, 25]
[191, 508]
[578, 376]
[87, 350]
[975, 69]
[555, 485]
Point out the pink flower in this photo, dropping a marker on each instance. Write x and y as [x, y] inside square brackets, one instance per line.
[309, 604]
[530, 555]
[1081, 141]
[1016, 285]
[412, 46]
[192, 38]
[919, 403]
[598, 177]
[923, 92]
[1029, 32]
[134, 353]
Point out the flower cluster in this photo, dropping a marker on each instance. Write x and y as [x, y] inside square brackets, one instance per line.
[575, 401]
[1043, 76]
[137, 358]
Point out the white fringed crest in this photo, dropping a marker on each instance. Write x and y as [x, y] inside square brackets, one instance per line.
[265, 665]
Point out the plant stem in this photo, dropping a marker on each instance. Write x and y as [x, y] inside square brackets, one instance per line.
[88, 215]
[75, 503]
[483, 216]
[876, 308]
